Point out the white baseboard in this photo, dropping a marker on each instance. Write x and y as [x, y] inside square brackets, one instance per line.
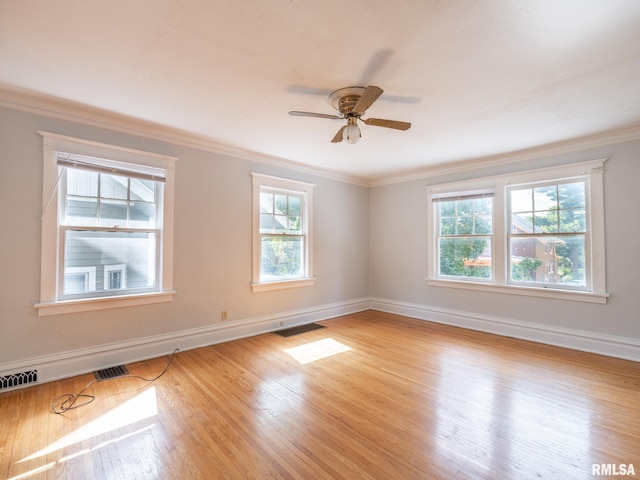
[77, 362]
[609, 345]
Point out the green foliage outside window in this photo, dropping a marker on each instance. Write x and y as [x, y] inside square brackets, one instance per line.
[465, 226]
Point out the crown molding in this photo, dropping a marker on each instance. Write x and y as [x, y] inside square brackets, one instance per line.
[53, 107]
[40, 104]
[557, 148]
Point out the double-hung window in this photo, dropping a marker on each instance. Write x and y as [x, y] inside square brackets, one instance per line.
[107, 226]
[547, 234]
[539, 232]
[282, 241]
[464, 228]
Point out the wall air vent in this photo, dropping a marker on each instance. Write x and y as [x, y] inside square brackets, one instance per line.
[112, 372]
[18, 379]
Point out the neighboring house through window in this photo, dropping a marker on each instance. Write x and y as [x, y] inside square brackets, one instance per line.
[539, 232]
[282, 240]
[107, 226]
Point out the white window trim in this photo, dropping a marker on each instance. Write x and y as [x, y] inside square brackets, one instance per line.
[259, 181]
[53, 144]
[122, 268]
[593, 169]
[90, 276]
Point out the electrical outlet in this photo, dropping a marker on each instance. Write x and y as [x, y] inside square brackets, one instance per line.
[223, 315]
[281, 323]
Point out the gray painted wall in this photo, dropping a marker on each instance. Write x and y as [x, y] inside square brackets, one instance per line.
[398, 216]
[212, 245]
[368, 243]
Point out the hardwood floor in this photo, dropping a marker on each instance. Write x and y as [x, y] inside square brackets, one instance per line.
[398, 399]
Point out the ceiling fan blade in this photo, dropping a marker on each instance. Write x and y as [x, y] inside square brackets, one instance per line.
[317, 115]
[369, 96]
[381, 122]
[338, 136]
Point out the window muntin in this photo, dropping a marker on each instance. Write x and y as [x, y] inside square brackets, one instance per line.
[282, 233]
[547, 234]
[464, 237]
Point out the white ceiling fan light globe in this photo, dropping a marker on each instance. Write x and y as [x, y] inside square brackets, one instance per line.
[351, 134]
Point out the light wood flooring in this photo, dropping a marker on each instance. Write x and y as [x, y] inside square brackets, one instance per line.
[393, 398]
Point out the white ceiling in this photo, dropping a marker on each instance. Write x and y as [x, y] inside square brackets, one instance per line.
[475, 78]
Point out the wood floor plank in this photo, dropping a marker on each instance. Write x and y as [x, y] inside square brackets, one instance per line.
[404, 398]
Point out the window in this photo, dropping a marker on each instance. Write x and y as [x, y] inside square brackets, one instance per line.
[282, 241]
[107, 226]
[539, 233]
[547, 234]
[115, 277]
[80, 279]
[465, 224]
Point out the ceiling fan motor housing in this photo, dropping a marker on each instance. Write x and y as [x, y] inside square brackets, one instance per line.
[345, 99]
[347, 103]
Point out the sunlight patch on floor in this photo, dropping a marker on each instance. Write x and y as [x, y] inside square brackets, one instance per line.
[310, 352]
[143, 405]
[34, 472]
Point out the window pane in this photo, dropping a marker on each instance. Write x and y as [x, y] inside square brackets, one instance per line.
[482, 225]
[114, 186]
[295, 224]
[143, 190]
[522, 223]
[82, 183]
[545, 198]
[448, 226]
[484, 206]
[447, 209]
[294, 206]
[281, 258]
[113, 213]
[280, 204]
[280, 223]
[81, 211]
[142, 215]
[266, 223]
[465, 257]
[464, 207]
[571, 195]
[548, 260]
[573, 220]
[266, 202]
[98, 250]
[521, 200]
[546, 222]
[464, 225]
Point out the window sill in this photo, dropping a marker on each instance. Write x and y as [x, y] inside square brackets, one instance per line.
[103, 303]
[573, 295]
[279, 285]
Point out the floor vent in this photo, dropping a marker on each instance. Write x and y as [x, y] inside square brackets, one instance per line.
[288, 332]
[112, 372]
[18, 379]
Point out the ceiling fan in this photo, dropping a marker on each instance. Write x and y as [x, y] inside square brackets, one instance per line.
[352, 103]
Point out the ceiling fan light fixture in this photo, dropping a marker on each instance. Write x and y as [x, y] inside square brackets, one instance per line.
[352, 103]
[351, 134]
